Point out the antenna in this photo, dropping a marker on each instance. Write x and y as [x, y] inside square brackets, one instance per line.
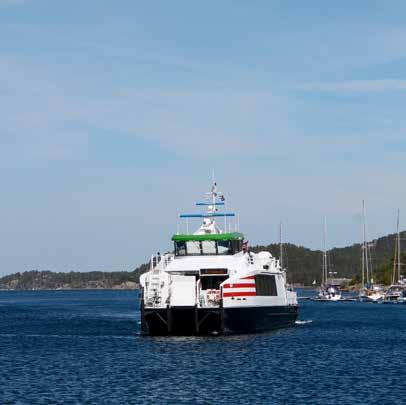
[213, 199]
[225, 220]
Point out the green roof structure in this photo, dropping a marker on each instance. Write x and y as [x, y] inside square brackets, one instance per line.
[209, 236]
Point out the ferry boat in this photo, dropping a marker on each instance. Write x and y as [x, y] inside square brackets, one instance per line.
[213, 284]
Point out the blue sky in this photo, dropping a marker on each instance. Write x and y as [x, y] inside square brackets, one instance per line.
[114, 114]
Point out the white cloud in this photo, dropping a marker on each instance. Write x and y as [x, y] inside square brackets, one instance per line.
[45, 105]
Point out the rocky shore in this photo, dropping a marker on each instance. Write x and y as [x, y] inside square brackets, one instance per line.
[47, 280]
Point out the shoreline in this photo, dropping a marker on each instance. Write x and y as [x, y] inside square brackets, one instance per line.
[68, 289]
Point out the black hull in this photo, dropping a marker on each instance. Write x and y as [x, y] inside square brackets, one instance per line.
[208, 321]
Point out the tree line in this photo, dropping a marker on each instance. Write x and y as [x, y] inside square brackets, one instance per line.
[303, 267]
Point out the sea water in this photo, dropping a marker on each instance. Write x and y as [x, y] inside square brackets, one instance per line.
[84, 347]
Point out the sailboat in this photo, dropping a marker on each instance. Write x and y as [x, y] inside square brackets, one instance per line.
[396, 293]
[328, 291]
[369, 292]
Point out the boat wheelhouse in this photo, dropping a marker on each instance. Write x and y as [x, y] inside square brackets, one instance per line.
[213, 284]
[208, 244]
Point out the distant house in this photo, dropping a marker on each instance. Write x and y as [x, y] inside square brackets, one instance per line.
[339, 281]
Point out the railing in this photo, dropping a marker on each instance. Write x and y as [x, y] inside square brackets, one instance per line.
[153, 293]
[160, 262]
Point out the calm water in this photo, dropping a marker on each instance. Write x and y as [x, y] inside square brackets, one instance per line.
[84, 347]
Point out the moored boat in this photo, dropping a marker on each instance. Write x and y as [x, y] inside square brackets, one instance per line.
[396, 293]
[328, 291]
[213, 284]
[374, 294]
[369, 292]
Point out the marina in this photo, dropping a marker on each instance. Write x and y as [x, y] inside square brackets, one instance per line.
[367, 291]
[213, 284]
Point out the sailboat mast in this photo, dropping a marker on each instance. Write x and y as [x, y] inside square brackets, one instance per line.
[362, 263]
[398, 245]
[324, 274]
[280, 246]
[365, 269]
[394, 262]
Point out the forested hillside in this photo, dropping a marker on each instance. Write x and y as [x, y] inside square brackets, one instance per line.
[303, 264]
[38, 280]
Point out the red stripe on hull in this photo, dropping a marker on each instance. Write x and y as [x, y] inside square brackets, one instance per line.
[248, 278]
[239, 285]
[240, 294]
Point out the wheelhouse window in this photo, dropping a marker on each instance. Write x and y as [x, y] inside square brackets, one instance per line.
[193, 247]
[207, 247]
[223, 247]
[265, 285]
[180, 248]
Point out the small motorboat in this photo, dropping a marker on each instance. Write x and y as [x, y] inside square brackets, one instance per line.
[396, 294]
[374, 294]
[329, 293]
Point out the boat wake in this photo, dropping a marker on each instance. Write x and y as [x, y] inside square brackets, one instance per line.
[303, 322]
